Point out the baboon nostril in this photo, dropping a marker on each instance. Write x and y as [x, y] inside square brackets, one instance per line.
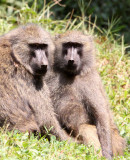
[70, 62]
[43, 66]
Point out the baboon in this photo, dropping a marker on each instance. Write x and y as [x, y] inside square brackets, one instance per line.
[78, 95]
[25, 104]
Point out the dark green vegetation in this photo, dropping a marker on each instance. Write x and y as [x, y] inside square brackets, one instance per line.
[113, 65]
[103, 12]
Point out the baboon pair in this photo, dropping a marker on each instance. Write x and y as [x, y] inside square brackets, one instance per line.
[77, 94]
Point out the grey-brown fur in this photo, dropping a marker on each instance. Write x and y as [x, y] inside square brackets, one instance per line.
[24, 96]
[79, 96]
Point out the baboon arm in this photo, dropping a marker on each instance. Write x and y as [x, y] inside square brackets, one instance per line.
[99, 108]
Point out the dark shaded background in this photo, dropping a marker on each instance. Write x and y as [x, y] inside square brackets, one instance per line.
[104, 10]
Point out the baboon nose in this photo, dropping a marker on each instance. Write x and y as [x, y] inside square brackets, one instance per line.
[43, 67]
[70, 62]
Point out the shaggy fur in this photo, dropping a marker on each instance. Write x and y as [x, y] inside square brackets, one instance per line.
[25, 102]
[79, 98]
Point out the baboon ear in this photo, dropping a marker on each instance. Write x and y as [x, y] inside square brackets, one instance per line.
[20, 54]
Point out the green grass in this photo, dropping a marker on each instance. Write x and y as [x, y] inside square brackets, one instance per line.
[19, 146]
[113, 65]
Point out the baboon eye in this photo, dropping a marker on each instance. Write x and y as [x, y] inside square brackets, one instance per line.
[79, 52]
[65, 51]
[33, 54]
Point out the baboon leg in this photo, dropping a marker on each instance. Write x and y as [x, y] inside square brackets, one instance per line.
[23, 123]
[90, 137]
[89, 134]
[29, 125]
[118, 143]
[72, 116]
[16, 118]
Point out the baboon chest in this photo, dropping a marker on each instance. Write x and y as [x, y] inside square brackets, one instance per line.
[73, 91]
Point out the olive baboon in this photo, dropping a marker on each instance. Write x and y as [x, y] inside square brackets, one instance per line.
[78, 95]
[25, 104]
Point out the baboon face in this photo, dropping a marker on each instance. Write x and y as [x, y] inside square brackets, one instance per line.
[72, 54]
[33, 49]
[38, 58]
